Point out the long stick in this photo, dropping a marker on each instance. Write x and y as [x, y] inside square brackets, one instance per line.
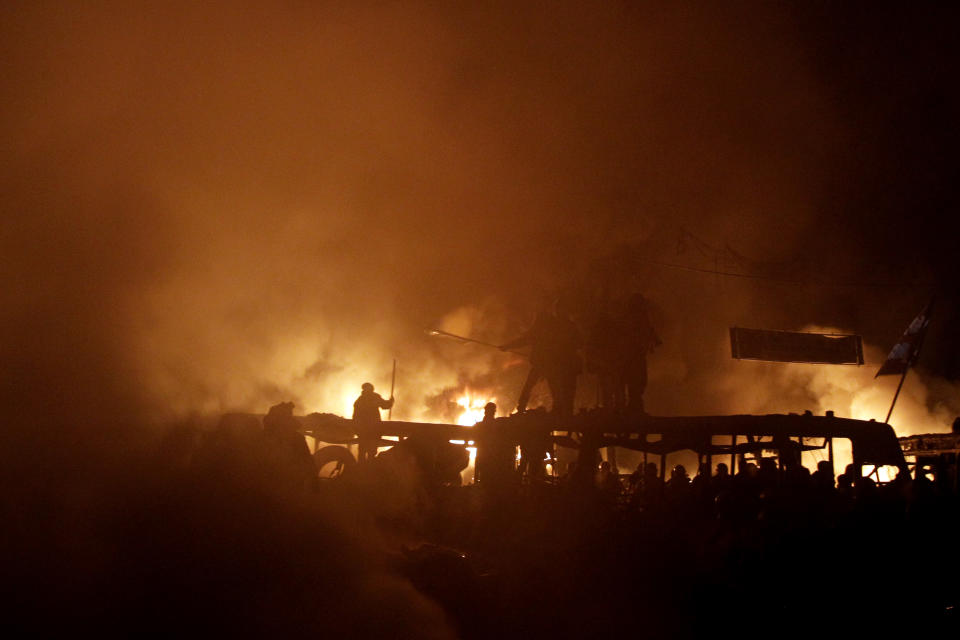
[446, 334]
[899, 386]
[393, 381]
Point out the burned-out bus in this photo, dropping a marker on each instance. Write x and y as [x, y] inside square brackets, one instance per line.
[788, 438]
[934, 456]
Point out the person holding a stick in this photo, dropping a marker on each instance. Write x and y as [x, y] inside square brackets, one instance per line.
[555, 344]
[366, 413]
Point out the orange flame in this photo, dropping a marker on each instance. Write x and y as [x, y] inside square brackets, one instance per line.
[472, 408]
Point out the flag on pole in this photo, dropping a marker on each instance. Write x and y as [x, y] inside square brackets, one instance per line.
[904, 353]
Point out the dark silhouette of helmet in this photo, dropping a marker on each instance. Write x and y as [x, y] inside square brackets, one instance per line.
[366, 386]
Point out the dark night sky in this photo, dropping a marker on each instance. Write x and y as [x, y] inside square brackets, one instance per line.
[890, 71]
[212, 207]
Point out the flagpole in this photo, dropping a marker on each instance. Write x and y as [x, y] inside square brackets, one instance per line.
[928, 310]
[393, 381]
[897, 394]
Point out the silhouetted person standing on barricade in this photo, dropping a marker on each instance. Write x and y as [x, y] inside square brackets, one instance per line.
[638, 339]
[291, 464]
[496, 455]
[605, 359]
[366, 413]
[534, 336]
[555, 342]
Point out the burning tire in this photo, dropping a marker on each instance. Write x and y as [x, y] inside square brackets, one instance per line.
[332, 461]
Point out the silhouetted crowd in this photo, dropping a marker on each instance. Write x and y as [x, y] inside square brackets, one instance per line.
[761, 490]
[675, 556]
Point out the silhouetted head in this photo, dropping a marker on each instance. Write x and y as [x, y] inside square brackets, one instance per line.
[865, 486]
[282, 409]
[489, 411]
[367, 387]
[768, 465]
[280, 418]
[722, 469]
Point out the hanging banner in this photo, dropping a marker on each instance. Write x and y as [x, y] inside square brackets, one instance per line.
[792, 346]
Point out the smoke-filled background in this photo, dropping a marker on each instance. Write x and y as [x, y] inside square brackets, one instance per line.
[211, 208]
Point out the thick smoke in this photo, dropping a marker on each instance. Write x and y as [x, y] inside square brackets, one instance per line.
[221, 208]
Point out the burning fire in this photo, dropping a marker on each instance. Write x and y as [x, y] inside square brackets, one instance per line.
[472, 408]
[472, 413]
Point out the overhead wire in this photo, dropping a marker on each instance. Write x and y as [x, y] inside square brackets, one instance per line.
[726, 254]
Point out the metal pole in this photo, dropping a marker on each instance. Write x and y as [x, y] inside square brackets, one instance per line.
[899, 386]
[393, 382]
[833, 470]
[733, 455]
[447, 334]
